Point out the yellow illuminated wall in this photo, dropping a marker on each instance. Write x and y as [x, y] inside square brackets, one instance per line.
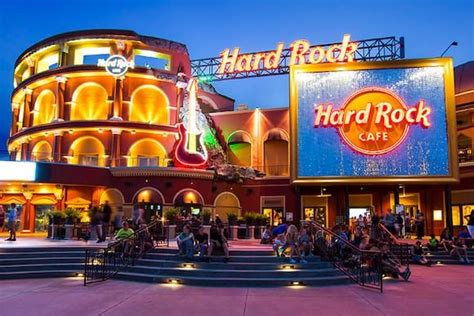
[44, 108]
[227, 203]
[89, 102]
[45, 62]
[146, 148]
[42, 152]
[240, 154]
[276, 157]
[149, 105]
[84, 147]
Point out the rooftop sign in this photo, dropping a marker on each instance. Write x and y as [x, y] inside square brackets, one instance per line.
[116, 65]
[301, 53]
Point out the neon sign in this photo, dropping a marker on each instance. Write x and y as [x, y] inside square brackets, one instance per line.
[116, 65]
[373, 121]
[301, 53]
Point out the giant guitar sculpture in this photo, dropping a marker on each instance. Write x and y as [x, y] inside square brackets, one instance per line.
[190, 150]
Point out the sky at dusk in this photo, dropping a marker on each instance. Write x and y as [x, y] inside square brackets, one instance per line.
[208, 27]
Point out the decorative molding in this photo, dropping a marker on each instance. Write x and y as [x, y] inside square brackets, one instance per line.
[162, 172]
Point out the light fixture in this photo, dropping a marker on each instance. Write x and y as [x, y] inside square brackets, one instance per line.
[173, 281]
[322, 194]
[132, 132]
[71, 131]
[288, 267]
[100, 130]
[296, 283]
[188, 265]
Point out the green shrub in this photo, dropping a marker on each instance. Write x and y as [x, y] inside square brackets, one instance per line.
[206, 217]
[170, 215]
[250, 218]
[73, 215]
[232, 218]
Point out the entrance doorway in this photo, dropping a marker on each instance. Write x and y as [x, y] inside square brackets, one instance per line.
[315, 213]
[275, 215]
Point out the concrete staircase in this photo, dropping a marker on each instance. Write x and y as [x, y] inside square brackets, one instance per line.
[18, 263]
[246, 268]
[444, 257]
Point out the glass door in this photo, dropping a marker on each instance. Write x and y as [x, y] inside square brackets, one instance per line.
[275, 215]
[315, 213]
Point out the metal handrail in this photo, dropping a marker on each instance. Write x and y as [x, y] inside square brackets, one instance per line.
[104, 263]
[364, 267]
[401, 250]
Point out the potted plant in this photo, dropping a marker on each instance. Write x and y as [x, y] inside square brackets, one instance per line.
[232, 219]
[56, 218]
[72, 217]
[260, 221]
[170, 216]
[206, 217]
[250, 218]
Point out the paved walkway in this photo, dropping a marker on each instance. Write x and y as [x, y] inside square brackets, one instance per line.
[440, 290]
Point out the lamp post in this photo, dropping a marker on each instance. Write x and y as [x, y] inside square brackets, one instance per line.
[452, 44]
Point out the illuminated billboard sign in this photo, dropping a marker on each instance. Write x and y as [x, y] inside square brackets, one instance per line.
[301, 52]
[17, 171]
[373, 122]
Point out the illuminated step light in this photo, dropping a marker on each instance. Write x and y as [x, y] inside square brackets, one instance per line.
[288, 267]
[173, 281]
[188, 265]
[80, 275]
[296, 283]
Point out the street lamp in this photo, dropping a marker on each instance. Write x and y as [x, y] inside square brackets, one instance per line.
[452, 44]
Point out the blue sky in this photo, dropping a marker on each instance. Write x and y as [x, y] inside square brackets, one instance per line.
[208, 27]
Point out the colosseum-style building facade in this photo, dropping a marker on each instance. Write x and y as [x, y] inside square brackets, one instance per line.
[99, 137]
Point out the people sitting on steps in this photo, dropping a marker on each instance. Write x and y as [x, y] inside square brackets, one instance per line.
[419, 255]
[218, 240]
[266, 236]
[305, 242]
[201, 242]
[292, 242]
[124, 233]
[185, 242]
[433, 243]
[391, 265]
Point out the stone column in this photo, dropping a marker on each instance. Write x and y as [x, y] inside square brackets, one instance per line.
[60, 94]
[63, 55]
[28, 213]
[27, 115]
[15, 111]
[57, 150]
[25, 151]
[118, 100]
[115, 148]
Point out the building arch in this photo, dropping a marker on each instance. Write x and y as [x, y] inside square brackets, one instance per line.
[87, 150]
[89, 102]
[181, 197]
[42, 151]
[158, 197]
[147, 152]
[44, 108]
[276, 152]
[239, 151]
[113, 196]
[207, 104]
[149, 104]
[226, 202]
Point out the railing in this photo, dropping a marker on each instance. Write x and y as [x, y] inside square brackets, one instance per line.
[364, 267]
[104, 263]
[399, 249]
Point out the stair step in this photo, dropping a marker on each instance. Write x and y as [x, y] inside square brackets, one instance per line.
[234, 281]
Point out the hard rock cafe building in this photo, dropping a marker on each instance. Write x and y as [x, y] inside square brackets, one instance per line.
[96, 136]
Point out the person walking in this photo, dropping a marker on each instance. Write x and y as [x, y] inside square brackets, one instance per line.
[12, 217]
[2, 217]
[96, 223]
[106, 214]
[420, 224]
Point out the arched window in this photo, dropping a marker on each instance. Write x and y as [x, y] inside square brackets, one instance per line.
[149, 105]
[44, 110]
[89, 102]
[87, 150]
[226, 203]
[275, 151]
[147, 153]
[239, 150]
[42, 152]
